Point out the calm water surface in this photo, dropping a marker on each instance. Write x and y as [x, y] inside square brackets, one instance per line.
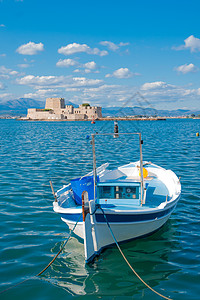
[32, 153]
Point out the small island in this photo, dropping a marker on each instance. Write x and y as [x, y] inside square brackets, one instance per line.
[56, 110]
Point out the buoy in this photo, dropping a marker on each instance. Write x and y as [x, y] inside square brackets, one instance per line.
[145, 173]
[197, 134]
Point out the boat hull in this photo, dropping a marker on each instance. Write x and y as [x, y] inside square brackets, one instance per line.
[124, 229]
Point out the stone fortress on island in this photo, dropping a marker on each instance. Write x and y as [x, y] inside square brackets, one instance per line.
[55, 109]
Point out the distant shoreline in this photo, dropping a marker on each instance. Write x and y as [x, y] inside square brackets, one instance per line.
[100, 119]
[110, 119]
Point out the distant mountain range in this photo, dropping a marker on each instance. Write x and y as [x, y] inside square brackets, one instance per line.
[19, 107]
[140, 111]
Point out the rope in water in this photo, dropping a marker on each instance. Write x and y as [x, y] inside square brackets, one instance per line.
[40, 273]
[61, 247]
[124, 257]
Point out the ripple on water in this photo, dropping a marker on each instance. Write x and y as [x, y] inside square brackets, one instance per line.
[32, 153]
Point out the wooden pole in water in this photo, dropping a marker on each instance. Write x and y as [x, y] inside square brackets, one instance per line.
[56, 200]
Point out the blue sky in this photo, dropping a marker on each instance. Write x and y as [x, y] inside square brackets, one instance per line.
[101, 52]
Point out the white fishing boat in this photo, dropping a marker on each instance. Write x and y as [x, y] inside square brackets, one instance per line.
[131, 201]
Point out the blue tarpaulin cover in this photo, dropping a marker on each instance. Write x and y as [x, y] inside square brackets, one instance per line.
[79, 185]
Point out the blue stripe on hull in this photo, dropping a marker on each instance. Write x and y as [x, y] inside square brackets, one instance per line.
[121, 218]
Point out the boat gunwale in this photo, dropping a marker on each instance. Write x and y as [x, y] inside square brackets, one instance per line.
[145, 210]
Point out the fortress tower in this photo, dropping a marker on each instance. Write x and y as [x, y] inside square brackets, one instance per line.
[56, 104]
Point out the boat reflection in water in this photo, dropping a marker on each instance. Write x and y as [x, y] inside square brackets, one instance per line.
[108, 273]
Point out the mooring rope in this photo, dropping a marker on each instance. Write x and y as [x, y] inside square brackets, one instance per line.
[126, 260]
[40, 273]
[61, 247]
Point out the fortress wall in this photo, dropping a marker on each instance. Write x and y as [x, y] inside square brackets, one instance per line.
[58, 110]
[69, 109]
[38, 114]
[55, 117]
[90, 111]
[75, 117]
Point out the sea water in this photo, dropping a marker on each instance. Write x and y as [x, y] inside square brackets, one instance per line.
[33, 153]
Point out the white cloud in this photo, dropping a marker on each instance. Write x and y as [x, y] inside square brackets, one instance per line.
[30, 48]
[57, 81]
[123, 44]
[81, 89]
[121, 73]
[113, 46]
[103, 95]
[66, 63]
[78, 48]
[13, 73]
[191, 43]
[2, 87]
[162, 92]
[87, 71]
[2, 25]
[43, 93]
[154, 85]
[3, 55]
[23, 66]
[6, 71]
[110, 45]
[84, 82]
[77, 71]
[91, 65]
[186, 68]
[5, 96]
[4, 76]
[32, 80]
[72, 89]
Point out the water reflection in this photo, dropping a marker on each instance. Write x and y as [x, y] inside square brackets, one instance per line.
[109, 274]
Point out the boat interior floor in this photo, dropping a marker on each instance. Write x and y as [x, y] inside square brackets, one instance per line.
[156, 194]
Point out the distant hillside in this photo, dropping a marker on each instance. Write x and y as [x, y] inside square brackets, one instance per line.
[19, 107]
[139, 111]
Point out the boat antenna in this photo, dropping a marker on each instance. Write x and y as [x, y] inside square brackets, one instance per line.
[94, 165]
[141, 169]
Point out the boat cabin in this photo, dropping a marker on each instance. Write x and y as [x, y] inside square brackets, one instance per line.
[119, 193]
